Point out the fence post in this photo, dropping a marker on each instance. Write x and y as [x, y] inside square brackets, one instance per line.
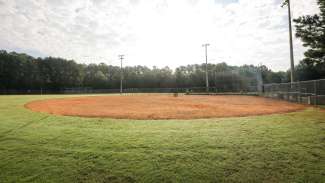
[315, 92]
[299, 92]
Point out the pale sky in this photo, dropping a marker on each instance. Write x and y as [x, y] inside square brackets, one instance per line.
[153, 32]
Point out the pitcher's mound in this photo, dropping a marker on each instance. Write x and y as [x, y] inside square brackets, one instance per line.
[163, 106]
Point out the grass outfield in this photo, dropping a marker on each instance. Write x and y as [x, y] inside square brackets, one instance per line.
[36, 147]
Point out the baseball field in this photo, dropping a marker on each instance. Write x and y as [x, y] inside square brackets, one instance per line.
[159, 138]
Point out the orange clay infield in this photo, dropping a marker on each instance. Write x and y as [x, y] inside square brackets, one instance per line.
[163, 106]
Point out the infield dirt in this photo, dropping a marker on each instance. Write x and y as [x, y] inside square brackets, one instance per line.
[163, 106]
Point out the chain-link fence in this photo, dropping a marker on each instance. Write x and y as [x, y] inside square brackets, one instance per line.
[188, 90]
[308, 92]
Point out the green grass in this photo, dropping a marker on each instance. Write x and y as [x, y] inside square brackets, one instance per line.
[36, 147]
[322, 106]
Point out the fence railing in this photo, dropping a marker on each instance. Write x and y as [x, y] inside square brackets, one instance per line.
[310, 92]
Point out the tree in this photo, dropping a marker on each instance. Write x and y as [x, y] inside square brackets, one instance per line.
[311, 30]
[23, 72]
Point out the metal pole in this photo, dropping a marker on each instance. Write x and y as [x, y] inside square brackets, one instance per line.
[315, 92]
[121, 72]
[206, 67]
[299, 91]
[215, 80]
[291, 45]
[292, 64]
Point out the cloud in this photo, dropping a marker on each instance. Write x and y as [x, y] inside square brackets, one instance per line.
[153, 32]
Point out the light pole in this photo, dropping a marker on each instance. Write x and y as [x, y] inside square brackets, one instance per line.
[206, 66]
[121, 72]
[292, 63]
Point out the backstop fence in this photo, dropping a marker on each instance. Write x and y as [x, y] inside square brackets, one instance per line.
[308, 92]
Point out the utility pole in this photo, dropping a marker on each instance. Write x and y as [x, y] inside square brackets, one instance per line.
[292, 63]
[121, 72]
[206, 67]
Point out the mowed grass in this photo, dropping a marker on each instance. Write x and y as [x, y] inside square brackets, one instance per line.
[36, 147]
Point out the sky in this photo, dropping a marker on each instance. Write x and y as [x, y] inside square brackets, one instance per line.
[153, 32]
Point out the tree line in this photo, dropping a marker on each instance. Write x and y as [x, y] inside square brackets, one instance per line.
[22, 71]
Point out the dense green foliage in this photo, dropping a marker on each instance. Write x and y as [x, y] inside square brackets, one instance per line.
[36, 147]
[21, 71]
[311, 30]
